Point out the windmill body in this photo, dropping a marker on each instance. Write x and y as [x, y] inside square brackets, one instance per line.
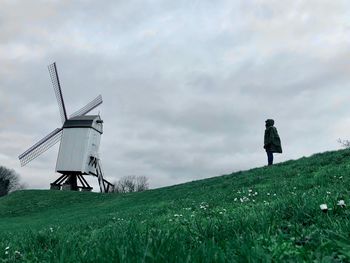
[79, 143]
[80, 137]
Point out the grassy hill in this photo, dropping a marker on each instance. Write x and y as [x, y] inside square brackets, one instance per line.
[264, 214]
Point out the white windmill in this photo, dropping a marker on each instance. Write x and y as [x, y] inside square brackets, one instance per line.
[79, 149]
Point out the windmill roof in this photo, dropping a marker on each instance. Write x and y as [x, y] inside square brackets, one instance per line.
[86, 121]
[85, 117]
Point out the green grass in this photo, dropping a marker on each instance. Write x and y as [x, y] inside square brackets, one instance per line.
[268, 214]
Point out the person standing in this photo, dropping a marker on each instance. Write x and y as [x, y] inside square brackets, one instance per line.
[272, 141]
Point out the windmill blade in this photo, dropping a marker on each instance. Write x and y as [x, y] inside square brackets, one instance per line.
[40, 147]
[57, 87]
[88, 107]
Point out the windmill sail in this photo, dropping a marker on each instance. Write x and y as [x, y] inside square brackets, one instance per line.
[88, 107]
[41, 146]
[57, 87]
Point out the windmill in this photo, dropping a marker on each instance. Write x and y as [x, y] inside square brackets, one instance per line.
[78, 154]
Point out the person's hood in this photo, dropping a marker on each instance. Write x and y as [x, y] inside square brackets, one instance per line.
[269, 122]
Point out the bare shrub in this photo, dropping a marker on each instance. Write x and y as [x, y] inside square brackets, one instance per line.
[344, 143]
[9, 181]
[131, 183]
[141, 183]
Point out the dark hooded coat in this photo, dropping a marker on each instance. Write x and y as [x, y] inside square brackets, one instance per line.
[272, 141]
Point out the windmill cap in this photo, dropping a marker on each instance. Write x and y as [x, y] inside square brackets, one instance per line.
[86, 121]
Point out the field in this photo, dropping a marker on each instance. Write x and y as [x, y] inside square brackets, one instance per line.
[268, 214]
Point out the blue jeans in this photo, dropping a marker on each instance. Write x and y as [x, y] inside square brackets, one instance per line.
[269, 157]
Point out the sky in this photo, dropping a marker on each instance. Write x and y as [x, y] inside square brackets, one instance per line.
[186, 85]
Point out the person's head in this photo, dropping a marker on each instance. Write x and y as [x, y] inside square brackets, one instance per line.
[269, 123]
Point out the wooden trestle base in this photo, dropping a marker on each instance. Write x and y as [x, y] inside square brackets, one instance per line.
[70, 182]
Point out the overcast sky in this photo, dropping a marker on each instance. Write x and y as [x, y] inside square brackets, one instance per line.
[187, 85]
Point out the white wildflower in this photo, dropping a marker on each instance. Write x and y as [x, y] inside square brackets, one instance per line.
[244, 199]
[324, 207]
[341, 203]
[268, 193]
[51, 229]
[235, 199]
[7, 248]
[328, 193]
[203, 205]
[250, 190]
